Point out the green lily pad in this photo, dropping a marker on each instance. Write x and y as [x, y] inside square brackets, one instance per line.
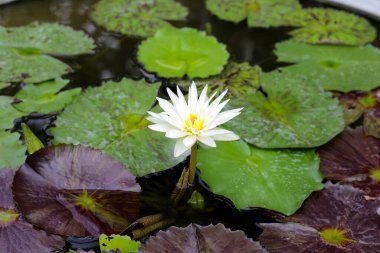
[292, 114]
[46, 38]
[139, 18]
[332, 67]
[279, 180]
[11, 150]
[44, 97]
[123, 243]
[239, 78]
[3, 85]
[112, 118]
[328, 26]
[31, 68]
[7, 113]
[173, 52]
[260, 13]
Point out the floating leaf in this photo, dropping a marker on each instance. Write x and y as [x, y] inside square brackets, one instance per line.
[139, 18]
[239, 79]
[195, 238]
[353, 154]
[16, 235]
[332, 67]
[190, 52]
[112, 118]
[279, 180]
[12, 152]
[363, 104]
[3, 85]
[7, 113]
[15, 67]
[337, 219]
[260, 13]
[328, 26]
[291, 114]
[118, 242]
[32, 142]
[84, 191]
[44, 97]
[46, 38]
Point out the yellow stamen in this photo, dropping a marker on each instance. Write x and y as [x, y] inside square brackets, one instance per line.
[336, 236]
[194, 123]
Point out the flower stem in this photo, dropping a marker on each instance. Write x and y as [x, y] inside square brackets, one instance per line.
[193, 163]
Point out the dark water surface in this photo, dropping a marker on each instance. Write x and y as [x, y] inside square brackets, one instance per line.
[114, 58]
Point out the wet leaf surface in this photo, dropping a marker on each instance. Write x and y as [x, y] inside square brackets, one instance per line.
[7, 113]
[279, 180]
[31, 68]
[12, 152]
[353, 154]
[328, 26]
[341, 210]
[239, 79]
[74, 190]
[332, 67]
[195, 238]
[289, 114]
[49, 38]
[190, 52]
[45, 97]
[123, 244]
[112, 118]
[17, 235]
[259, 13]
[138, 18]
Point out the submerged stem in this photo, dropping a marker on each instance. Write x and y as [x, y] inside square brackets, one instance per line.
[193, 163]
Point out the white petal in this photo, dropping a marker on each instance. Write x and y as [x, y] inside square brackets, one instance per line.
[216, 131]
[207, 141]
[189, 140]
[182, 101]
[160, 127]
[223, 118]
[174, 134]
[193, 97]
[179, 148]
[202, 99]
[218, 99]
[226, 137]
[168, 108]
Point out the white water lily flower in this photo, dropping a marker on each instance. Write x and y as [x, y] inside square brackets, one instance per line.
[196, 120]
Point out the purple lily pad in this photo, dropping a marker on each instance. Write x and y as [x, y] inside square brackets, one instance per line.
[366, 104]
[337, 219]
[195, 238]
[17, 235]
[353, 154]
[75, 190]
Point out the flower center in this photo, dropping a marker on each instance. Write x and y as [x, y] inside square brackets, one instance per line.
[335, 236]
[375, 174]
[7, 217]
[194, 124]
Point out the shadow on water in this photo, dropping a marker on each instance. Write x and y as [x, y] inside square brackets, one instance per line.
[115, 58]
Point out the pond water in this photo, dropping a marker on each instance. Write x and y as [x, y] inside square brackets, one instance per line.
[115, 58]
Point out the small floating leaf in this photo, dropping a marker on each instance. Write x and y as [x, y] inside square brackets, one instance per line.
[84, 191]
[239, 79]
[198, 239]
[12, 152]
[112, 118]
[352, 154]
[46, 38]
[32, 142]
[44, 97]
[190, 52]
[29, 68]
[279, 180]
[17, 235]
[336, 219]
[7, 113]
[260, 13]
[328, 26]
[118, 242]
[332, 67]
[291, 114]
[139, 18]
